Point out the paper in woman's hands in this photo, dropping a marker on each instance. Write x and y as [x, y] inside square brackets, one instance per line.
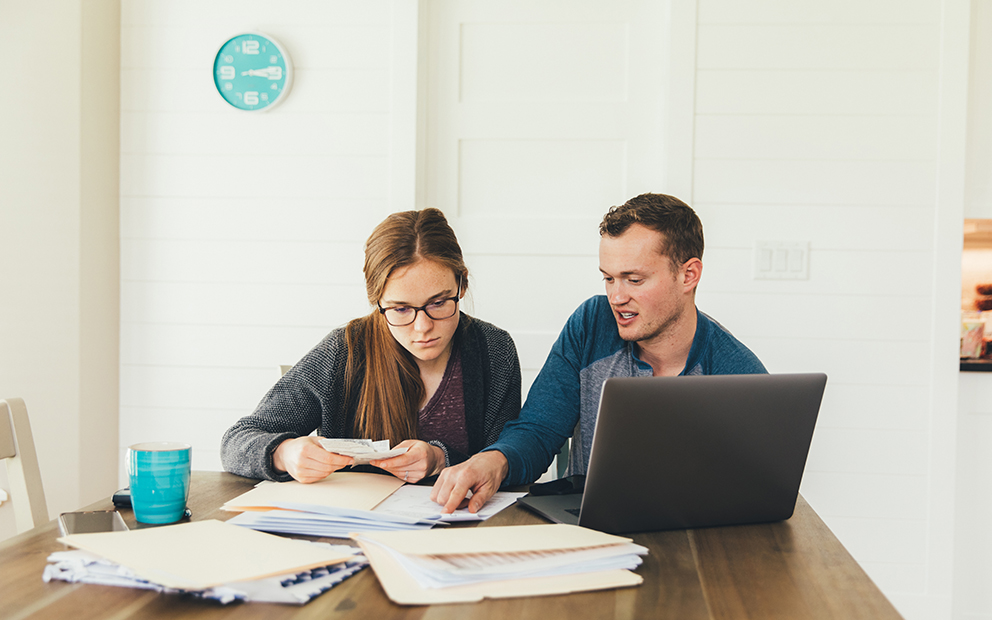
[362, 450]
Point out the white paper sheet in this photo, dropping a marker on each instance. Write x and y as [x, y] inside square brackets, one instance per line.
[363, 451]
[415, 502]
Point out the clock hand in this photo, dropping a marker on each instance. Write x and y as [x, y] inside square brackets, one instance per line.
[273, 73]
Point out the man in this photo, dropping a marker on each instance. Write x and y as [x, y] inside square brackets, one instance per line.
[650, 254]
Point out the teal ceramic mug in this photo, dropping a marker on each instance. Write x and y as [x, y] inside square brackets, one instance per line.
[159, 474]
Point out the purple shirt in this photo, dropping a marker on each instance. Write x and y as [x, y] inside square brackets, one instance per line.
[443, 417]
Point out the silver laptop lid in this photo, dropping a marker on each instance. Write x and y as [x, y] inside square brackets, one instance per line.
[685, 452]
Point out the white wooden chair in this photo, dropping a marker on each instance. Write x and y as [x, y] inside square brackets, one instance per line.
[17, 449]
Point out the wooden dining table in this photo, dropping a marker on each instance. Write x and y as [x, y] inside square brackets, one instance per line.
[791, 569]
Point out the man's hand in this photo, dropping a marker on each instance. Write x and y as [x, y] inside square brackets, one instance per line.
[421, 460]
[482, 475]
[306, 460]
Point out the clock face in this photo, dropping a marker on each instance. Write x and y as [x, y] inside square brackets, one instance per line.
[252, 72]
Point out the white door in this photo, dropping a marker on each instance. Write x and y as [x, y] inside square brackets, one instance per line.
[540, 116]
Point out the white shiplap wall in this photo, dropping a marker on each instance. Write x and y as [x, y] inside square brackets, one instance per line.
[241, 233]
[972, 571]
[818, 122]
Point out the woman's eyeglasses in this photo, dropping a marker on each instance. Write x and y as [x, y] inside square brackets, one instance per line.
[439, 309]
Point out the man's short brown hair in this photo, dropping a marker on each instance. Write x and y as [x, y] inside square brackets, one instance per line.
[675, 220]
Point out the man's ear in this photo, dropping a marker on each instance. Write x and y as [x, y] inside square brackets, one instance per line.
[692, 271]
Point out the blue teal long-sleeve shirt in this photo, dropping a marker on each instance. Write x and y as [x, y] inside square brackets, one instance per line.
[564, 399]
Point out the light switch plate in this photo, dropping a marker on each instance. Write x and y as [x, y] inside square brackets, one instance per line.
[781, 260]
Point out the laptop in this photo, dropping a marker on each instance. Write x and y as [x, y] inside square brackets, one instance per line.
[687, 452]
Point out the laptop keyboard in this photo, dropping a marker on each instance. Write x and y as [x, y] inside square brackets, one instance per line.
[572, 511]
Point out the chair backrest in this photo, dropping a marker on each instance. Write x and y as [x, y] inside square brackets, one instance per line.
[17, 450]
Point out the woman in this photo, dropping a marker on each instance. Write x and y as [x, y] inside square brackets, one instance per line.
[415, 371]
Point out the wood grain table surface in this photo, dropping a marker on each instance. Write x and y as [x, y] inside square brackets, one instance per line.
[791, 570]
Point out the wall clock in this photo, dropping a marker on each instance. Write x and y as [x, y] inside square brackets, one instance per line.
[252, 72]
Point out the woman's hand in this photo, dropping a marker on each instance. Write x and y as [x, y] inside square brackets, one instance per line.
[420, 461]
[306, 460]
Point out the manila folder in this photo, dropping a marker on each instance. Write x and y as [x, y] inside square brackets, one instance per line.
[354, 490]
[402, 588]
[203, 554]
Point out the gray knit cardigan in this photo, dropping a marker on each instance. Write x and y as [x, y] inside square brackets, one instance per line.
[311, 396]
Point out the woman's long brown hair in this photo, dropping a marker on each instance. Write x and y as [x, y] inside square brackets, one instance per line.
[391, 389]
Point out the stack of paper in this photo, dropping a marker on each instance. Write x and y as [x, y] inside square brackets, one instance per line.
[211, 558]
[327, 522]
[347, 502]
[466, 565]
[334, 507]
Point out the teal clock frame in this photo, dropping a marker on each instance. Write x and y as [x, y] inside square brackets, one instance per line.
[253, 72]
